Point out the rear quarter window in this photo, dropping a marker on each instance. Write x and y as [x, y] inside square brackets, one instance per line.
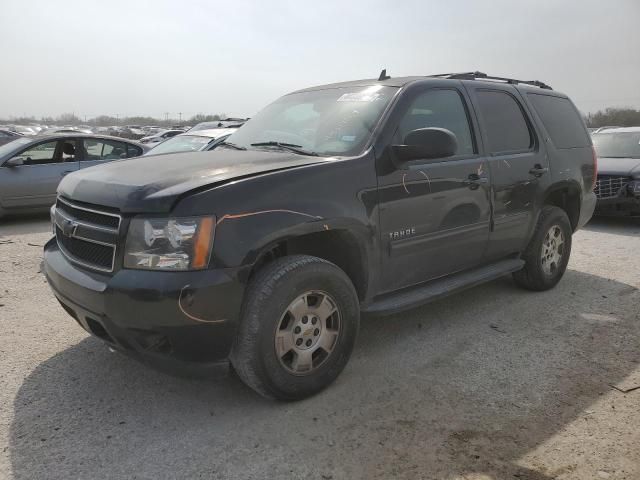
[561, 120]
[133, 151]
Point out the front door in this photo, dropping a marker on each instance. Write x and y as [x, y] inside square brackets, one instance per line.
[435, 214]
[34, 184]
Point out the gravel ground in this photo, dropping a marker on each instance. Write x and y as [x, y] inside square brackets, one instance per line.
[494, 383]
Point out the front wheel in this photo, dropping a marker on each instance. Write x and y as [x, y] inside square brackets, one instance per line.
[298, 328]
[547, 254]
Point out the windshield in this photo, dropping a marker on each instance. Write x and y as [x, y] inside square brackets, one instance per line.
[182, 143]
[625, 144]
[337, 121]
[13, 145]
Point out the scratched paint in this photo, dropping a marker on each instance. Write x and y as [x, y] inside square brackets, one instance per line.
[404, 184]
[193, 317]
[250, 214]
[428, 179]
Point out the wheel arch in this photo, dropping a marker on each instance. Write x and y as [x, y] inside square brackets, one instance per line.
[341, 246]
[566, 195]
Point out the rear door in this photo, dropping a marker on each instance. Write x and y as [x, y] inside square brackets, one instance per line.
[518, 163]
[34, 184]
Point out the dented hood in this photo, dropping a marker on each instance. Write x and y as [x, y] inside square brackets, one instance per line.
[153, 183]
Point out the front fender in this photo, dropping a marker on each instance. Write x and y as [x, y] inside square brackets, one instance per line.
[255, 213]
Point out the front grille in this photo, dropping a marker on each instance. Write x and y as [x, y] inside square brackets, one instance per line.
[608, 186]
[86, 252]
[87, 236]
[85, 214]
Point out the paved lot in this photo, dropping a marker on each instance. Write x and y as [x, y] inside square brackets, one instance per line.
[494, 383]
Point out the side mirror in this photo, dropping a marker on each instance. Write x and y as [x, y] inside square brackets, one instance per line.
[14, 162]
[426, 144]
[123, 155]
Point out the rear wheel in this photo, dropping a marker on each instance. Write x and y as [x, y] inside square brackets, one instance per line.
[547, 254]
[298, 328]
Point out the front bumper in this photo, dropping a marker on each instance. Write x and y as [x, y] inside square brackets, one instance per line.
[625, 204]
[177, 319]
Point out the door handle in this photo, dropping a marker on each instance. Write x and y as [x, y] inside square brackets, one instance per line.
[538, 170]
[474, 180]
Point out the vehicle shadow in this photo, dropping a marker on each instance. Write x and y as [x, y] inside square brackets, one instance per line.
[617, 225]
[33, 223]
[466, 385]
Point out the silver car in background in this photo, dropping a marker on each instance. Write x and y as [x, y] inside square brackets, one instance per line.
[191, 141]
[32, 167]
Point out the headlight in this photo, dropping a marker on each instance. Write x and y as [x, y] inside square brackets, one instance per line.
[634, 187]
[169, 243]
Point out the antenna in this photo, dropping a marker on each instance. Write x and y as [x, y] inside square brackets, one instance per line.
[383, 75]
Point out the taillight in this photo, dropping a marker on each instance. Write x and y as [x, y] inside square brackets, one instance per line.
[595, 167]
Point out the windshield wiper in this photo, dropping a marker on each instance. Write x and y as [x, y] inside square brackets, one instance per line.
[292, 147]
[232, 145]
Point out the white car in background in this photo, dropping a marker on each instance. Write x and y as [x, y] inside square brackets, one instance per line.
[22, 130]
[198, 141]
[152, 140]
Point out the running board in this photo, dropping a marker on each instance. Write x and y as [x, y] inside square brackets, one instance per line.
[442, 287]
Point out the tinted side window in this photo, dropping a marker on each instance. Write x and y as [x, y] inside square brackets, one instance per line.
[133, 151]
[439, 108]
[505, 124]
[103, 149]
[561, 120]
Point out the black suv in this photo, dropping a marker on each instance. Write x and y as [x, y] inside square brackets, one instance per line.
[368, 196]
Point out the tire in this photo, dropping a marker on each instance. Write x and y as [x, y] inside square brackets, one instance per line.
[278, 299]
[543, 274]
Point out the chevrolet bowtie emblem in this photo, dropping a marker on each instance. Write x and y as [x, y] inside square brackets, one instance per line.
[68, 228]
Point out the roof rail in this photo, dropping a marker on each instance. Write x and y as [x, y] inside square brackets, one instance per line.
[484, 76]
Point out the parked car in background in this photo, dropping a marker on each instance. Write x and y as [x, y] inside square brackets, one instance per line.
[32, 167]
[153, 130]
[131, 132]
[618, 184]
[227, 123]
[602, 129]
[7, 136]
[192, 141]
[61, 130]
[159, 137]
[36, 128]
[21, 129]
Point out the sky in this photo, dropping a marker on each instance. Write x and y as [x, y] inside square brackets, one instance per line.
[135, 57]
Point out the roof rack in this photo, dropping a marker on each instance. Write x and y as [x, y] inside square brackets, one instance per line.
[484, 76]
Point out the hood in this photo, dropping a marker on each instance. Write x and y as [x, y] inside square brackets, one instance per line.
[153, 183]
[625, 167]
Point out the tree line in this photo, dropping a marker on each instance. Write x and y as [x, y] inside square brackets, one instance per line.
[621, 117]
[108, 120]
